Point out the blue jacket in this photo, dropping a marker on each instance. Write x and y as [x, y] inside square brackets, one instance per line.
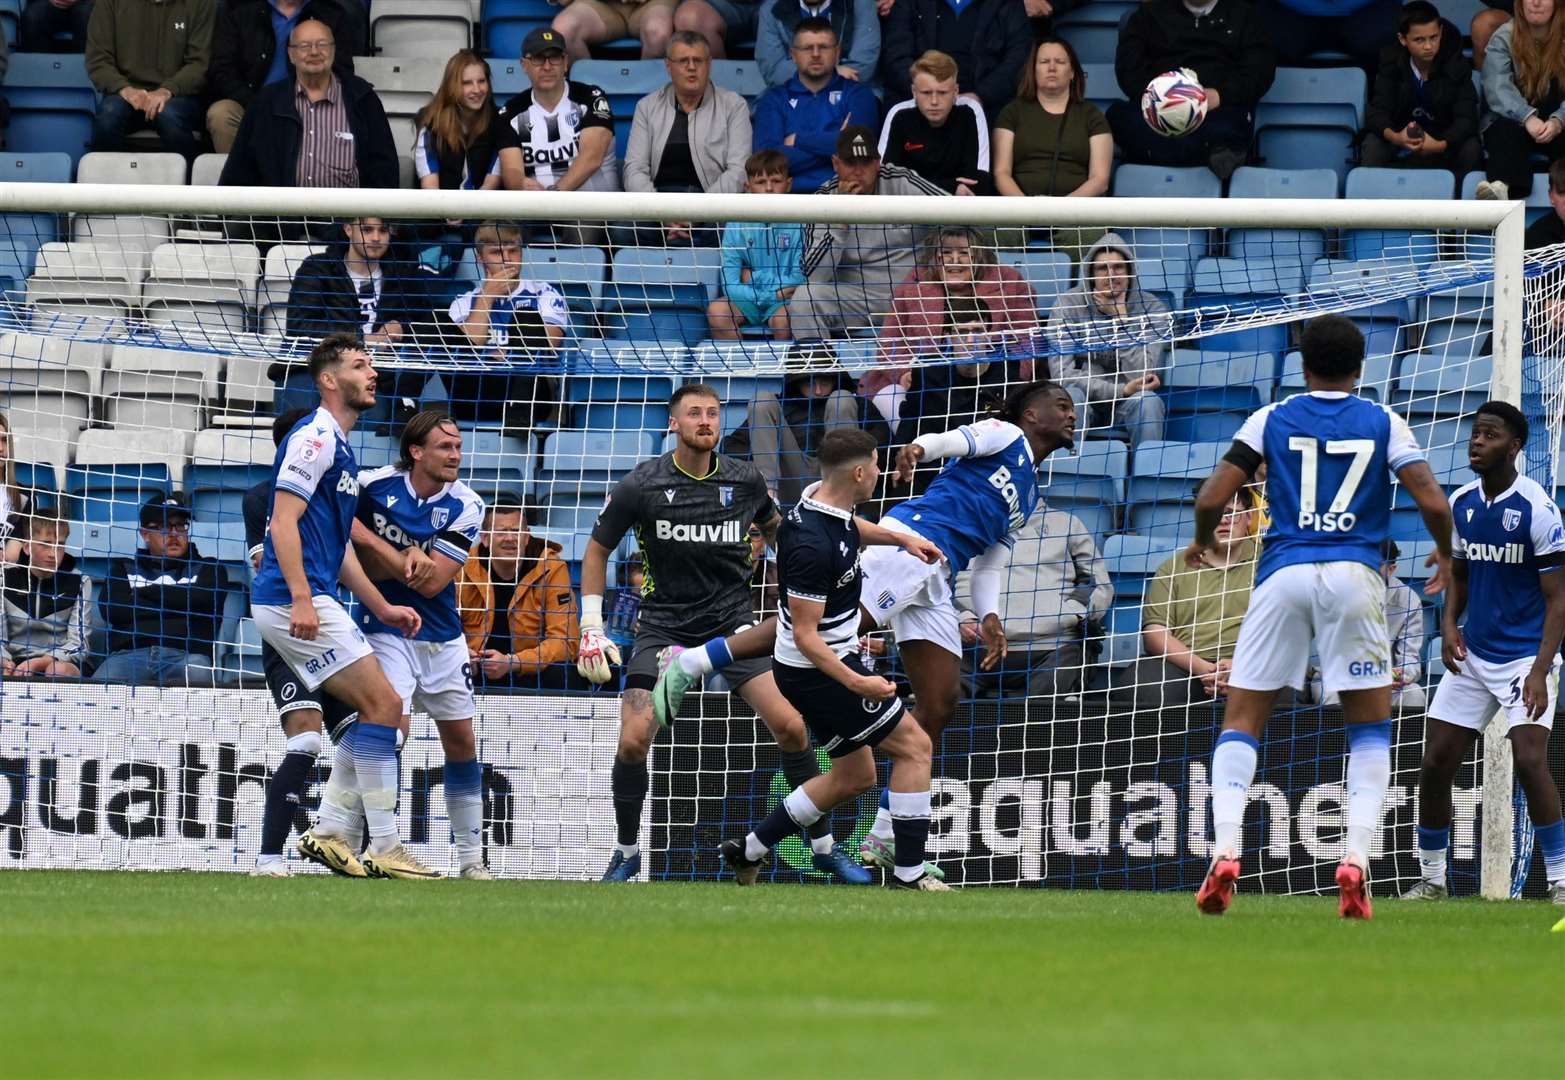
[858, 30]
[815, 120]
[771, 252]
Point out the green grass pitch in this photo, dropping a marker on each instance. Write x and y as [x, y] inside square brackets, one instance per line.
[207, 975]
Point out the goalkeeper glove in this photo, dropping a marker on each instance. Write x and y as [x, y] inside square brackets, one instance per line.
[596, 654]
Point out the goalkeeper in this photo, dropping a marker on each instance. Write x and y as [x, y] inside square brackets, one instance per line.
[692, 511]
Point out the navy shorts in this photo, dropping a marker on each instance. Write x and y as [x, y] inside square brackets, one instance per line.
[840, 720]
[290, 693]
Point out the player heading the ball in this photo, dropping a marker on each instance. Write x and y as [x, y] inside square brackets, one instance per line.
[850, 710]
[1506, 578]
[1329, 457]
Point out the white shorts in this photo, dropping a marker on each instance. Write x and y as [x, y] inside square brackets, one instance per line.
[1338, 605]
[1466, 700]
[434, 676]
[338, 643]
[909, 595]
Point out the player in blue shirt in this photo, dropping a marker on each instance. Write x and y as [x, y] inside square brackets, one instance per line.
[1506, 578]
[850, 710]
[971, 512]
[1329, 456]
[419, 504]
[294, 602]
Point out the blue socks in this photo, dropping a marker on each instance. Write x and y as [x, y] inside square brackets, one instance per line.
[1551, 841]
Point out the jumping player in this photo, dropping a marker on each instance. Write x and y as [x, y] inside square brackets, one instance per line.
[851, 711]
[971, 512]
[294, 602]
[1505, 575]
[691, 510]
[1329, 456]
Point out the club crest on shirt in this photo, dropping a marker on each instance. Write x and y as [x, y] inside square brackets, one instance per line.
[1510, 519]
[439, 517]
[725, 494]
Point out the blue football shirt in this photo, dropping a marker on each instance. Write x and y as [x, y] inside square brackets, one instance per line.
[1502, 543]
[315, 463]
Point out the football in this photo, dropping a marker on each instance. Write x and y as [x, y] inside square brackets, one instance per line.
[1174, 103]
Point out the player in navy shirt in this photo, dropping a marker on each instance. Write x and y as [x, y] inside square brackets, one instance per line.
[850, 710]
[1328, 455]
[419, 504]
[1506, 579]
[294, 602]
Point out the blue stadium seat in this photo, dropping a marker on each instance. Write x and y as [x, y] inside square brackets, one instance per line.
[1089, 483]
[52, 104]
[1471, 302]
[1163, 476]
[1222, 287]
[1162, 181]
[1457, 341]
[21, 235]
[1432, 384]
[1376, 383]
[221, 538]
[661, 294]
[621, 416]
[105, 505]
[506, 22]
[578, 272]
[1305, 245]
[10, 16]
[590, 462]
[1401, 245]
[493, 461]
[1132, 559]
[1048, 273]
[1215, 381]
[217, 492]
[620, 369]
[1311, 117]
[1094, 42]
[1176, 249]
[1362, 287]
[1102, 86]
[743, 77]
[624, 81]
[507, 78]
[1124, 634]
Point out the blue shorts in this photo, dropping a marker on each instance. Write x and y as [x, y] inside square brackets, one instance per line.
[740, 17]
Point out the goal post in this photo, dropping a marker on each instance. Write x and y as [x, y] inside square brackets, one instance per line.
[145, 336]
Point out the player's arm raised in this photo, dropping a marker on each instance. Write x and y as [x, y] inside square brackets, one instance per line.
[806, 615]
[872, 535]
[1418, 480]
[970, 440]
[1211, 502]
[287, 508]
[359, 584]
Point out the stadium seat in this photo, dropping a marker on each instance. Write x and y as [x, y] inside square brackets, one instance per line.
[583, 463]
[10, 17]
[578, 272]
[248, 387]
[1461, 300]
[22, 234]
[1166, 182]
[1123, 627]
[1102, 86]
[373, 450]
[83, 286]
[1362, 287]
[421, 28]
[1094, 42]
[1088, 483]
[105, 503]
[207, 170]
[624, 81]
[218, 532]
[271, 297]
[1162, 482]
[139, 233]
[231, 447]
[47, 363]
[505, 23]
[1376, 383]
[661, 294]
[52, 104]
[1205, 380]
[1398, 245]
[1432, 384]
[1305, 245]
[1457, 341]
[1311, 117]
[507, 77]
[207, 286]
[1225, 288]
[1176, 249]
[743, 77]
[493, 461]
[159, 388]
[111, 446]
[1048, 274]
[1132, 559]
[620, 369]
[404, 86]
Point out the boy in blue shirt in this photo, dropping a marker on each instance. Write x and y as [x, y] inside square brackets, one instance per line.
[761, 260]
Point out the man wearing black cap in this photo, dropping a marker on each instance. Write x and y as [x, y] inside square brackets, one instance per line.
[852, 269]
[164, 605]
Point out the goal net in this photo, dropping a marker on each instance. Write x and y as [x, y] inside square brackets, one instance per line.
[153, 334]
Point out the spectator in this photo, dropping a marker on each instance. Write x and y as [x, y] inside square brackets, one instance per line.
[250, 50]
[691, 135]
[969, 386]
[956, 265]
[1190, 618]
[760, 260]
[1301, 28]
[856, 23]
[164, 605]
[1524, 98]
[505, 315]
[1423, 110]
[149, 61]
[939, 134]
[54, 26]
[46, 600]
[1112, 384]
[817, 397]
[460, 135]
[988, 39]
[559, 135]
[355, 288]
[585, 23]
[1550, 228]
[1050, 140]
[803, 116]
[718, 22]
[1495, 15]
[318, 129]
[1228, 48]
[851, 271]
[1057, 590]
[518, 612]
[1405, 629]
[14, 502]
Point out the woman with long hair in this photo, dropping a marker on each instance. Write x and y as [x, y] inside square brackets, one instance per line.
[1050, 140]
[1524, 97]
[458, 145]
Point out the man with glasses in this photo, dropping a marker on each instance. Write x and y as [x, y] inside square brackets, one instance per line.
[320, 129]
[164, 604]
[149, 62]
[692, 135]
[803, 116]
